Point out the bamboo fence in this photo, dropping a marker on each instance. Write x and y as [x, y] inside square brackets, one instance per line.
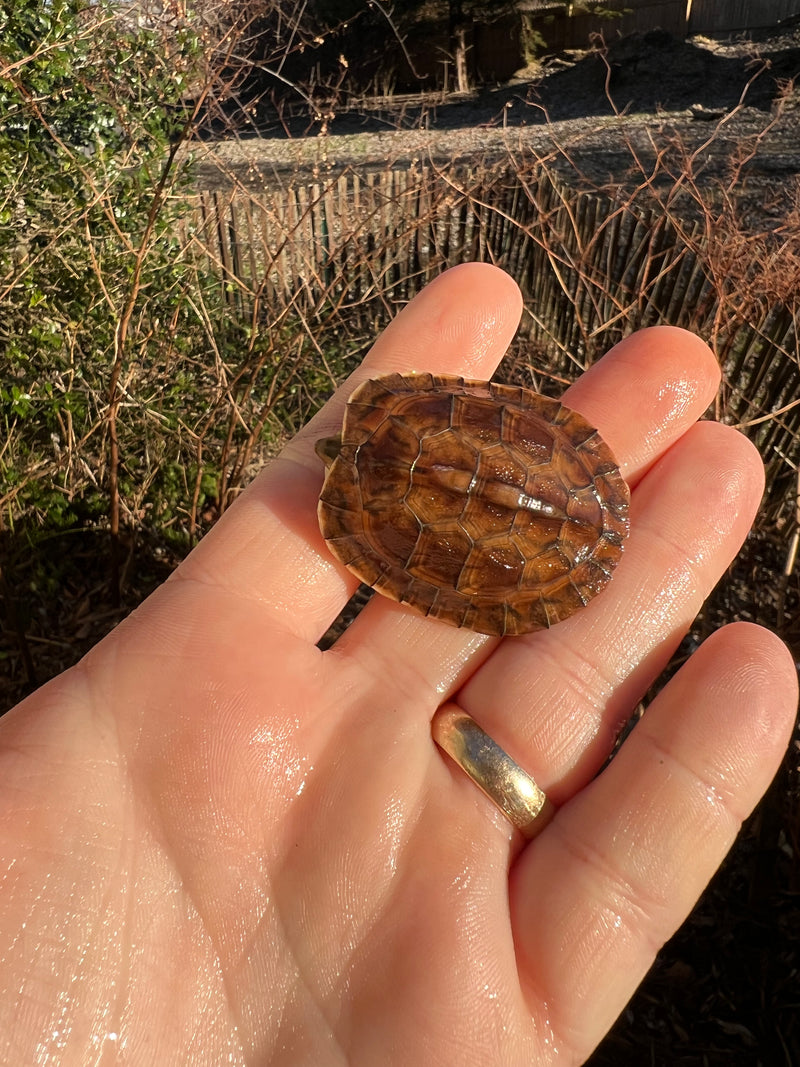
[591, 270]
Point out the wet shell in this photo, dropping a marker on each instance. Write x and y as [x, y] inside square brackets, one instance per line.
[487, 506]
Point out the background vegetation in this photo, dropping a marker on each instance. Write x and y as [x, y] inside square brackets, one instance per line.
[158, 344]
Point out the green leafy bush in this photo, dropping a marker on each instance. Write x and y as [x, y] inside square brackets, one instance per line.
[91, 110]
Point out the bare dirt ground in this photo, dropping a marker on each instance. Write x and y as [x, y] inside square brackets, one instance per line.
[590, 114]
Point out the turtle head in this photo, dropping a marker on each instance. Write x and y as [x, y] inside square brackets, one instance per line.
[328, 448]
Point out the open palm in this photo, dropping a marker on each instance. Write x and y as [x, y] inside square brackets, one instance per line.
[221, 845]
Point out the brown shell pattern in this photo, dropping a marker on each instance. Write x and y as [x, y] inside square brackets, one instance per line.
[488, 506]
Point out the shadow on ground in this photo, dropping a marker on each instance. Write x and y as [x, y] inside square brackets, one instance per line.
[641, 73]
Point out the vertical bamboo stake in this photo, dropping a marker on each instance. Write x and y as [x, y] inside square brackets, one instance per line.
[791, 557]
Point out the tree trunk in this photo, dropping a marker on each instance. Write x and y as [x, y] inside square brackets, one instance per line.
[462, 71]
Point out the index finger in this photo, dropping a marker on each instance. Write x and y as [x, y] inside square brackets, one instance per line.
[268, 546]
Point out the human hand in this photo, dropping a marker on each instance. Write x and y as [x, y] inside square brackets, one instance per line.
[221, 845]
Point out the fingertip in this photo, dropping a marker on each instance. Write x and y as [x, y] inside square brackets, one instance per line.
[751, 458]
[726, 717]
[664, 342]
[719, 473]
[755, 671]
[460, 323]
[471, 312]
[484, 277]
[647, 391]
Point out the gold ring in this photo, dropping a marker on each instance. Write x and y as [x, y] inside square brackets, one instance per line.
[490, 767]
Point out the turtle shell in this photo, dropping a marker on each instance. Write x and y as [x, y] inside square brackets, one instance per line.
[487, 506]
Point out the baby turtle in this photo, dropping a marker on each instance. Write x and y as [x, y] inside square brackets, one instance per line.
[487, 506]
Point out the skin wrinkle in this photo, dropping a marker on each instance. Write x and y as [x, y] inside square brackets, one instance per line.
[690, 568]
[93, 939]
[270, 624]
[199, 908]
[610, 900]
[724, 691]
[610, 883]
[98, 699]
[246, 946]
[454, 652]
[305, 598]
[581, 699]
[198, 575]
[372, 919]
[656, 609]
[603, 680]
[193, 747]
[716, 493]
[124, 875]
[287, 979]
[287, 1025]
[358, 920]
[616, 890]
[248, 528]
[413, 685]
[562, 736]
[716, 536]
[532, 988]
[416, 830]
[706, 784]
[693, 565]
[475, 655]
[298, 978]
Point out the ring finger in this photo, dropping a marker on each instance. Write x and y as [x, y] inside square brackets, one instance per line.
[557, 698]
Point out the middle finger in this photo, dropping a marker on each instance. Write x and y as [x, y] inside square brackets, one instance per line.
[671, 377]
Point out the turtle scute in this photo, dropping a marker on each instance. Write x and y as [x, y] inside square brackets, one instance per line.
[485, 505]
